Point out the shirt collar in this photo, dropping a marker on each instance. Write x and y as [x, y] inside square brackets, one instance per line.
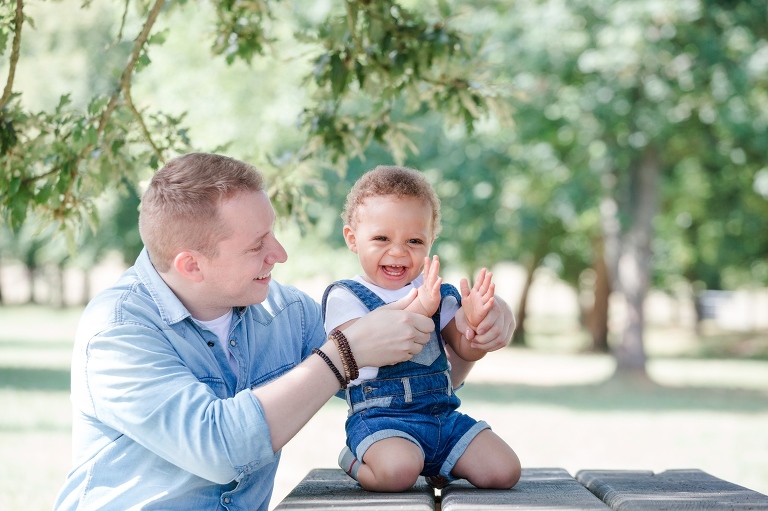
[171, 309]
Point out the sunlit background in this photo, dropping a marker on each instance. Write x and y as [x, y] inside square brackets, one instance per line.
[539, 199]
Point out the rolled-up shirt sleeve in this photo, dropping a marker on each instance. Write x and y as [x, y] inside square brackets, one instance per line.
[139, 385]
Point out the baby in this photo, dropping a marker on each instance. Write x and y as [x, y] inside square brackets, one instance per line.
[403, 420]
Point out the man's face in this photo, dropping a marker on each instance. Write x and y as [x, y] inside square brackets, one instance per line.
[241, 272]
[391, 237]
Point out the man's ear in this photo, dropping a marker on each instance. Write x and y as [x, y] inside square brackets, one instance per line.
[186, 264]
[350, 239]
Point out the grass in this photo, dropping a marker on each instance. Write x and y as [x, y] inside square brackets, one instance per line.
[706, 406]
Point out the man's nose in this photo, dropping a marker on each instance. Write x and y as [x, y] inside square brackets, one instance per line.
[277, 253]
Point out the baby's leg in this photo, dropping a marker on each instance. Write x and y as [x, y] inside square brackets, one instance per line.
[390, 465]
[488, 462]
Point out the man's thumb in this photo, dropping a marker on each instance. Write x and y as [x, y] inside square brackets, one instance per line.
[403, 302]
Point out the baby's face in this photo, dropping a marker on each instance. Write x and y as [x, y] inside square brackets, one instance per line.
[391, 237]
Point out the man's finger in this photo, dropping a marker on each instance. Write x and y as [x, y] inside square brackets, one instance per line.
[403, 302]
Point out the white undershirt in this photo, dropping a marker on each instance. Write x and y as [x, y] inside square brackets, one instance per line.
[220, 327]
[343, 306]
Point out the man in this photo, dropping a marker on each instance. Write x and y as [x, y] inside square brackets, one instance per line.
[193, 371]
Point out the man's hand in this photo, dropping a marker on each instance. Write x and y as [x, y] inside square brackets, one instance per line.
[389, 334]
[493, 332]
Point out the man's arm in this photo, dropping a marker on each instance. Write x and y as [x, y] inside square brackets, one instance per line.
[385, 336]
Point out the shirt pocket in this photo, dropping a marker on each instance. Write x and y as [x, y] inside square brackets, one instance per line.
[271, 375]
[217, 385]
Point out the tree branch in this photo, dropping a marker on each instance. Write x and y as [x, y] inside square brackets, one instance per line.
[142, 124]
[122, 25]
[123, 88]
[125, 77]
[19, 21]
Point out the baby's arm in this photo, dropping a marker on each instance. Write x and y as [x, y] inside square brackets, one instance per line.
[428, 299]
[475, 305]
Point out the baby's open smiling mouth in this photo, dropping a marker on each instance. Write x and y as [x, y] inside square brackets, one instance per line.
[394, 271]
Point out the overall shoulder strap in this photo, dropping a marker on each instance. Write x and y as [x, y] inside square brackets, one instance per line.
[449, 290]
[368, 297]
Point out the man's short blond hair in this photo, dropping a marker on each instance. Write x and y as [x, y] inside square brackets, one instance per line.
[392, 180]
[181, 208]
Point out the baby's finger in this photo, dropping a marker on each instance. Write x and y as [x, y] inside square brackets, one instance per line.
[486, 282]
[488, 306]
[435, 267]
[479, 280]
[427, 264]
[464, 288]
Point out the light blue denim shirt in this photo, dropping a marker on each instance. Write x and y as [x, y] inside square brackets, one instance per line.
[160, 420]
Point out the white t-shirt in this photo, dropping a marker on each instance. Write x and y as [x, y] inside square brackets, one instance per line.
[342, 306]
[220, 327]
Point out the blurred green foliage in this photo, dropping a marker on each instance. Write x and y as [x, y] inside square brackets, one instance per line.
[588, 137]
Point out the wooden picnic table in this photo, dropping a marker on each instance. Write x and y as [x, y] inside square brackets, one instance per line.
[539, 489]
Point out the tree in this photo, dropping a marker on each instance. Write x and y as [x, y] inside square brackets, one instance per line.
[648, 90]
[635, 151]
[366, 53]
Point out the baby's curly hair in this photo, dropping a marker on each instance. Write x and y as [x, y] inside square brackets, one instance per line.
[392, 180]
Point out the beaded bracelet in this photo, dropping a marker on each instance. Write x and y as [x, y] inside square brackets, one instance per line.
[335, 370]
[345, 351]
[345, 364]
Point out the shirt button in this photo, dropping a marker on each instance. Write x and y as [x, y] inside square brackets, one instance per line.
[226, 500]
[211, 343]
[232, 342]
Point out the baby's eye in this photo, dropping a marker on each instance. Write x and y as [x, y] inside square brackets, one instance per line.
[416, 241]
[380, 238]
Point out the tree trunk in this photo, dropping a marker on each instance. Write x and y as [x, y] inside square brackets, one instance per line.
[518, 337]
[598, 319]
[86, 296]
[31, 277]
[56, 289]
[634, 266]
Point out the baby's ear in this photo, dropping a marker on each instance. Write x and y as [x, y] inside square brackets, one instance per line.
[350, 239]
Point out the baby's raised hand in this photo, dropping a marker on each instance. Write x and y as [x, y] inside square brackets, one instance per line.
[476, 302]
[429, 291]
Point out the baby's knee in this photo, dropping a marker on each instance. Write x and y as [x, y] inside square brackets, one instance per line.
[499, 476]
[397, 477]
[501, 479]
[508, 477]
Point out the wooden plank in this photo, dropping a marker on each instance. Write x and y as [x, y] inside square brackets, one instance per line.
[673, 490]
[539, 489]
[330, 488]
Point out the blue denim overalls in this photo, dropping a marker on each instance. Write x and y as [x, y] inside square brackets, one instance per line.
[412, 399]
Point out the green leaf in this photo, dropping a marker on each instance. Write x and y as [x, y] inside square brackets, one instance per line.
[142, 62]
[15, 185]
[339, 75]
[44, 194]
[91, 136]
[97, 104]
[159, 38]
[18, 208]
